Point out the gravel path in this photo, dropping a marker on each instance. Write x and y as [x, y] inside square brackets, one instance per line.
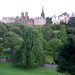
[52, 66]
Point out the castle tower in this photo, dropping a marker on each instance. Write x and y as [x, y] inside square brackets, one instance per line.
[26, 17]
[22, 16]
[42, 14]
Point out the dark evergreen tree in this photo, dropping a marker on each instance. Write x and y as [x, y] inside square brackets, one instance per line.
[66, 57]
[30, 50]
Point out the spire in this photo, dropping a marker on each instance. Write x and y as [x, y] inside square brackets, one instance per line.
[42, 9]
[42, 14]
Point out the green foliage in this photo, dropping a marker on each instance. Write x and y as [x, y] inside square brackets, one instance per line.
[71, 22]
[66, 57]
[47, 32]
[1, 49]
[11, 40]
[30, 50]
[49, 20]
[70, 30]
[57, 26]
[62, 23]
[38, 27]
[22, 26]
[16, 30]
[53, 44]
[44, 42]
[62, 34]
[3, 30]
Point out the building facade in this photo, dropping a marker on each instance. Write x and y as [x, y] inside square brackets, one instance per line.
[8, 19]
[26, 20]
[58, 19]
[40, 20]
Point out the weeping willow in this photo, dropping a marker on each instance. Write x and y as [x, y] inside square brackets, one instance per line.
[30, 51]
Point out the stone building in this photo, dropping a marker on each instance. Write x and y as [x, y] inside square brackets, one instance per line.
[25, 19]
[8, 19]
[40, 20]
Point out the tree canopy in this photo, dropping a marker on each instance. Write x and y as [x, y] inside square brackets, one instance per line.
[47, 32]
[3, 30]
[30, 51]
[66, 57]
[53, 44]
[62, 34]
[11, 40]
[71, 22]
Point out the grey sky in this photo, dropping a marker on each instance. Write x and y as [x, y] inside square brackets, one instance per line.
[12, 8]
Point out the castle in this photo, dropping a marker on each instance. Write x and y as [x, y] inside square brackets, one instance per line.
[26, 20]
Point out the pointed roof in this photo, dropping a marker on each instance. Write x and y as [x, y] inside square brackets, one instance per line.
[42, 14]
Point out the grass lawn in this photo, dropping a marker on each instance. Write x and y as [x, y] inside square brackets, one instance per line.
[56, 31]
[6, 49]
[6, 54]
[6, 68]
[50, 58]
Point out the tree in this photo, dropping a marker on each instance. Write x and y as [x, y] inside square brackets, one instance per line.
[53, 44]
[3, 30]
[30, 51]
[49, 20]
[38, 27]
[71, 22]
[23, 27]
[70, 30]
[66, 57]
[65, 13]
[11, 40]
[1, 48]
[16, 30]
[62, 23]
[62, 34]
[44, 42]
[47, 32]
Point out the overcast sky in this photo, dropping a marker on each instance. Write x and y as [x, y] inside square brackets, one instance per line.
[12, 8]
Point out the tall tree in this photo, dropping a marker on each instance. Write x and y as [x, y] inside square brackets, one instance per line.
[30, 50]
[53, 44]
[11, 40]
[62, 34]
[66, 57]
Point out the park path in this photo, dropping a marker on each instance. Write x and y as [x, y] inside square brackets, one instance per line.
[45, 65]
[49, 65]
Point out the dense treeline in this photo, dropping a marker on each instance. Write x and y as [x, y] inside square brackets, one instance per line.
[52, 36]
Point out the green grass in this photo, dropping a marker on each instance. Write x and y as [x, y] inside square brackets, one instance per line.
[50, 58]
[6, 54]
[6, 49]
[56, 31]
[6, 68]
